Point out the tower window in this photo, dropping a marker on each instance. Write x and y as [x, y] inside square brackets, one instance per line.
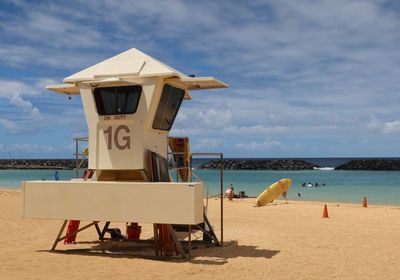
[117, 100]
[170, 101]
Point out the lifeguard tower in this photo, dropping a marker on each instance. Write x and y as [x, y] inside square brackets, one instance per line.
[130, 103]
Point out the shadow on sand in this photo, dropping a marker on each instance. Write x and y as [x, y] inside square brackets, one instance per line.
[200, 255]
[220, 256]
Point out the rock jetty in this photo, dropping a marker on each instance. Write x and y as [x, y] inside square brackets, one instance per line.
[39, 164]
[371, 164]
[259, 164]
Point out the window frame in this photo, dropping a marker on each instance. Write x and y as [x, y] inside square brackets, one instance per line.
[97, 99]
[177, 110]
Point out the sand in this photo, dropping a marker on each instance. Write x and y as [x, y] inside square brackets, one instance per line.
[279, 241]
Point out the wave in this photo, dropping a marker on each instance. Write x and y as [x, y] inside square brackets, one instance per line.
[324, 168]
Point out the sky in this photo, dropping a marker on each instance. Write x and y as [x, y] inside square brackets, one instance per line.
[307, 78]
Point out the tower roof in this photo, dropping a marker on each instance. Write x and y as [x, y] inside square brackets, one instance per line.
[132, 64]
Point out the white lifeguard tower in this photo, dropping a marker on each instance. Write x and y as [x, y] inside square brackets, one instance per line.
[130, 103]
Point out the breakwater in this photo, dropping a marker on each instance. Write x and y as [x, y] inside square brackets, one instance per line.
[39, 164]
[258, 164]
[371, 164]
[229, 164]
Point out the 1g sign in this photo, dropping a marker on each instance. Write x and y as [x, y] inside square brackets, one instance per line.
[113, 136]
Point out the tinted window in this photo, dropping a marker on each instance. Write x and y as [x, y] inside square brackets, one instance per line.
[171, 99]
[117, 100]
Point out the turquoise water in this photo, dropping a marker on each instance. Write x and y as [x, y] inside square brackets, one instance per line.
[13, 178]
[381, 187]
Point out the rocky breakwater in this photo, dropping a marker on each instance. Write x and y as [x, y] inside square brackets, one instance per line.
[256, 164]
[39, 164]
[371, 164]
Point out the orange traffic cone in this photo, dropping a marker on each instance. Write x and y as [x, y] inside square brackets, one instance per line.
[325, 213]
[365, 205]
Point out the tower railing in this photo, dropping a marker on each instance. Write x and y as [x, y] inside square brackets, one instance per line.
[79, 156]
[176, 167]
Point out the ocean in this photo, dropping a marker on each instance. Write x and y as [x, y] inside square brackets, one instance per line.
[380, 187]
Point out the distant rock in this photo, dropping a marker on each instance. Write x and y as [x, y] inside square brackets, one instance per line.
[259, 164]
[39, 164]
[371, 164]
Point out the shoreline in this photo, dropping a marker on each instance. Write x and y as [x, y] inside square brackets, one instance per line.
[280, 201]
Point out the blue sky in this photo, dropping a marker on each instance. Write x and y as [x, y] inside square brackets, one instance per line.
[307, 78]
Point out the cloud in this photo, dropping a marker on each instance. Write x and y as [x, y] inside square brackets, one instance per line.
[391, 127]
[20, 114]
[206, 144]
[197, 120]
[314, 69]
[186, 132]
[10, 126]
[260, 146]
[374, 124]
[32, 148]
[15, 92]
[255, 129]
[215, 118]
[385, 127]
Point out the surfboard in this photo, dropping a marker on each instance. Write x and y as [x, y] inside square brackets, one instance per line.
[273, 191]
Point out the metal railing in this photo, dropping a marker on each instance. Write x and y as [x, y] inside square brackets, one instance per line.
[191, 174]
[221, 156]
[79, 157]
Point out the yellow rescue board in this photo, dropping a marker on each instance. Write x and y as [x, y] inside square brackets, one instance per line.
[273, 191]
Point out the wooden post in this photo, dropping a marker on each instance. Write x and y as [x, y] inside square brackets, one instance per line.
[222, 199]
[177, 243]
[190, 242]
[59, 235]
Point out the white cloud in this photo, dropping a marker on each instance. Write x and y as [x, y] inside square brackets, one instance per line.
[46, 149]
[254, 129]
[311, 68]
[194, 121]
[260, 146]
[277, 118]
[206, 144]
[10, 126]
[24, 147]
[183, 132]
[374, 124]
[25, 106]
[391, 127]
[215, 118]
[182, 117]
[15, 92]
[30, 55]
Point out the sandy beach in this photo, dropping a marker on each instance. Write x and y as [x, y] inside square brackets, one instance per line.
[279, 241]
